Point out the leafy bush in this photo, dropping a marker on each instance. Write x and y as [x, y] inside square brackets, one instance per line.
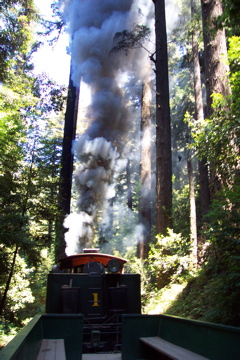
[167, 266]
[213, 294]
[169, 259]
[138, 266]
[181, 222]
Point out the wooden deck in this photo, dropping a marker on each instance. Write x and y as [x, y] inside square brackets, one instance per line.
[171, 350]
[52, 349]
[108, 356]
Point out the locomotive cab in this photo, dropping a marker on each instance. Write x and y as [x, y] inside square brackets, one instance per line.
[95, 285]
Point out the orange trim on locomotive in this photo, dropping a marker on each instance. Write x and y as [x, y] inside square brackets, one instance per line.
[78, 260]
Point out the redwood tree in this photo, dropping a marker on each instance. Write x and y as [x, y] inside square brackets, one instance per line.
[216, 68]
[145, 169]
[65, 187]
[199, 114]
[163, 127]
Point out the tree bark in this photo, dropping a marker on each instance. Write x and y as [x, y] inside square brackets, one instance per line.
[204, 186]
[163, 127]
[145, 170]
[66, 168]
[193, 215]
[129, 186]
[3, 301]
[215, 52]
[216, 68]
[199, 115]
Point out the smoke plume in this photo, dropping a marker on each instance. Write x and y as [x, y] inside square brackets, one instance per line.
[92, 25]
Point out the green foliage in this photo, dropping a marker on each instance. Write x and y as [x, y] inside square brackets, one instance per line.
[28, 200]
[230, 18]
[210, 297]
[38, 283]
[223, 228]
[138, 266]
[180, 209]
[162, 299]
[233, 57]
[169, 259]
[213, 294]
[30, 149]
[19, 293]
[217, 138]
[182, 90]
[15, 34]
[7, 334]
[166, 269]
[27, 294]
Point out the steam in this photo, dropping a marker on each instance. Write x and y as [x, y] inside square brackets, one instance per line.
[101, 151]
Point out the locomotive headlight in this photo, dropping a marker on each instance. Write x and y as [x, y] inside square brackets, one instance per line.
[113, 265]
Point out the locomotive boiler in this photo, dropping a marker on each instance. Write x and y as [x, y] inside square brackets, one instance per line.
[95, 285]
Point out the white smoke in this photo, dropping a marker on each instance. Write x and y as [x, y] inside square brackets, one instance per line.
[92, 25]
[79, 226]
[172, 15]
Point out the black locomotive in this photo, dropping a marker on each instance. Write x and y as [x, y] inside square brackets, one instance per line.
[96, 286]
[92, 306]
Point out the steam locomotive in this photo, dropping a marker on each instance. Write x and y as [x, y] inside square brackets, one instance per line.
[95, 285]
[92, 306]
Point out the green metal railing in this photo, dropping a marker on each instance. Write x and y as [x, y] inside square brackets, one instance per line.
[213, 341]
[26, 345]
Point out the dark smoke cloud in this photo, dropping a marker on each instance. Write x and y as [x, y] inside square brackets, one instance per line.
[92, 25]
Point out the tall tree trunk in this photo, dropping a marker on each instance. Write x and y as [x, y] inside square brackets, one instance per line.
[204, 186]
[129, 186]
[66, 167]
[193, 215]
[163, 127]
[215, 52]
[10, 275]
[199, 115]
[216, 68]
[145, 169]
